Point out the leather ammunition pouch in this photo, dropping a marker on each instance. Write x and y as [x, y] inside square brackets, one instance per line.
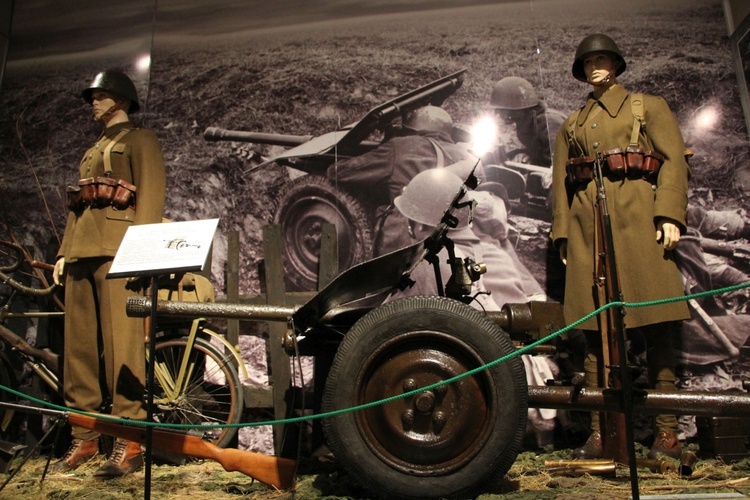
[580, 170]
[101, 192]
[633, 163]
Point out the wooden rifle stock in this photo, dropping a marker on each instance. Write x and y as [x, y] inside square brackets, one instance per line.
[616, 439]
[270, 470]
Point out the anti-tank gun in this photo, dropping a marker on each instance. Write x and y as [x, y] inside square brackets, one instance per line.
[440, 433]
[434, 438]
[309, 201]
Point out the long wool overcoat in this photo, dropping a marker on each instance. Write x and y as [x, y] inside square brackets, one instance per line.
[647, 272]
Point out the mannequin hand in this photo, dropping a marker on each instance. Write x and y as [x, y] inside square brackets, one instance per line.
[58, 271]
[668, 233]
[563, 248]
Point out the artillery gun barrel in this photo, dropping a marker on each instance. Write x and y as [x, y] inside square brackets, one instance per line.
[652, 402]
[514, 318]
[287, 140]
[140, 307]
[222, 134]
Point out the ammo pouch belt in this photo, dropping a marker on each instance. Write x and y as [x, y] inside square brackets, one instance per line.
[633, 163]
[101, 192]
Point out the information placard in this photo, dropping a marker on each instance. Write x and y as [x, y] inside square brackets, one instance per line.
[164, 248]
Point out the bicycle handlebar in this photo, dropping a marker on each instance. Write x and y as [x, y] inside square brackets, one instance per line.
[19, 253]
[20, 287]
[26, 290]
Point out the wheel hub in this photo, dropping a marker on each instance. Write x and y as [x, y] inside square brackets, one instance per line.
[432, 431]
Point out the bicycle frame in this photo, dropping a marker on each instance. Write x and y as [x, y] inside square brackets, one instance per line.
[174, 387]
[174, 376]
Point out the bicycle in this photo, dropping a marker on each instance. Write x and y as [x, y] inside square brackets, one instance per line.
[196, 374]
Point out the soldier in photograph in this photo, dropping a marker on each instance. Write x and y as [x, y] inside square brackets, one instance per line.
[422, 203]
[647, 203]
[424, 142]
[516, 104]
[122, 182]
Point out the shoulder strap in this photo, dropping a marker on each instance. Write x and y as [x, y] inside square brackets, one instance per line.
[639, 121]
[108, 151]
[438, 152]
[570, 127]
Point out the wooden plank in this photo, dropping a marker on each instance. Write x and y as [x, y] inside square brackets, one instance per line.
[279, 368]
[329, 256]
[233, 284]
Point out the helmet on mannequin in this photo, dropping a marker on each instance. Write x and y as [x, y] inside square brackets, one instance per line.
[596, 43]
[115, 82]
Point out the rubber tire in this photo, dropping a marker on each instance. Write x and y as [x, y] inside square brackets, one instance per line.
[426, 340]
[170, 350]
[305, 204]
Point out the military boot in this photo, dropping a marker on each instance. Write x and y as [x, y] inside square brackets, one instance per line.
[80, 451]
[666, 443]
[592, 448]
[126, 457]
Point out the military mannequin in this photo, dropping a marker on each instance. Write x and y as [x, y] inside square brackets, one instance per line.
[640, 203]
[104, 348]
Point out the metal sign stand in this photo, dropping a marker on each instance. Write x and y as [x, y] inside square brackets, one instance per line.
[153, 251]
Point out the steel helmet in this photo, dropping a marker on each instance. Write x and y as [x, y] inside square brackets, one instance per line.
[596, 43]
[115, 82]
[513, 92]
[430, 119]
[428, 195]
[513, 181]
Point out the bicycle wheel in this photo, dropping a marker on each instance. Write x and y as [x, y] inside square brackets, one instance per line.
[211, 392]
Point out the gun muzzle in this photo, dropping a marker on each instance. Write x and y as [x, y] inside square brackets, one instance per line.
[657, 466]
[687, 460]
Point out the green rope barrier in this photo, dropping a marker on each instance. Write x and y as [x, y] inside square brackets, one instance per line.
[364, 406]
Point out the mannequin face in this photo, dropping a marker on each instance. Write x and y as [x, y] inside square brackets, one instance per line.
[101, 102]
[600, 68]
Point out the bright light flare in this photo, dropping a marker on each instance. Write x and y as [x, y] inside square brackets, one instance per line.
[706, 119]
[483, 135]
[143, 63]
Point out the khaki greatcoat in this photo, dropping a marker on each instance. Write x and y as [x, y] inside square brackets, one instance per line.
[647, 272]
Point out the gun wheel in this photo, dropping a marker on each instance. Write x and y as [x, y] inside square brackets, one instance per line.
[451, 441]
[305, 205]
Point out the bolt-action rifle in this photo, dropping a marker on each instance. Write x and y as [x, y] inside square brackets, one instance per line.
[270, 470]
[617, 438]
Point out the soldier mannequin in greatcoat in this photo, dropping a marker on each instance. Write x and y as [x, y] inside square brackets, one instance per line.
[648, 216]
[104, 348]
